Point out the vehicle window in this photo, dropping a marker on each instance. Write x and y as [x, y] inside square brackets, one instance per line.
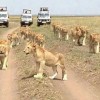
[3, 15]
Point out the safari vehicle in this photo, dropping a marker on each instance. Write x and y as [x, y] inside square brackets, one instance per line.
[26, 17]
[4, 17]
[43, 16]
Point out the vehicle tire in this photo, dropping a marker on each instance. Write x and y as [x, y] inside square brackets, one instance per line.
[30, 24]
[7, 24]
[49, 23]
[21, 24]
[38, 24]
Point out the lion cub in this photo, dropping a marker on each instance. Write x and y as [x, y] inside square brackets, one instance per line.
[45, 58]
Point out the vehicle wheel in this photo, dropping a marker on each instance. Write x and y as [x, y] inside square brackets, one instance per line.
[21, 24]
[49, 23]
[29, 24]
[38, 24]
[7, 25]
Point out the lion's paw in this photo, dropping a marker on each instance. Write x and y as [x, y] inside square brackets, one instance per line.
[65, 77]
[51, 77]
[4, 68]
[38, 76]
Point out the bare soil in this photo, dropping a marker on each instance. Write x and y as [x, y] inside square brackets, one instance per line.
[8, 82]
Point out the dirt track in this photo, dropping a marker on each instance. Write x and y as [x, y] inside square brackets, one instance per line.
[8, 84]
[74, 88]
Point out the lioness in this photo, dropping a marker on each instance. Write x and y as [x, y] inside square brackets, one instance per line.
[44, 57]
[40, 39]
[56, 29]
[14, 39]
[79, 32]
[94, 43]
[4, 52]
[64, 32]
[24, 32]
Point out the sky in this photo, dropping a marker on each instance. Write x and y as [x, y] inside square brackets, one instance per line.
[56, 7]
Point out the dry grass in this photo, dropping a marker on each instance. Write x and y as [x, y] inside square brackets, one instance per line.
[78, 58]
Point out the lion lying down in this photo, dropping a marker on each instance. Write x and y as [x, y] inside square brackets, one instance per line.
[44, 57]
[4, 52]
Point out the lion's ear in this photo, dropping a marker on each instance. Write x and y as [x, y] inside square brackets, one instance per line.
[33, 47]
[33, 44]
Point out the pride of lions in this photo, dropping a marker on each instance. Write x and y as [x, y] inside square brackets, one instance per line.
[36, 46]
[77, 33]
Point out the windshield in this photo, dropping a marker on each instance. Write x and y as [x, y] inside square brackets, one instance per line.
[26, 17]
[43, 15]
[3, 15]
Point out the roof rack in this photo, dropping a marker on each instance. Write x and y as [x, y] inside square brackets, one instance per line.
[44, 9]
[3, 8]
[26, 11]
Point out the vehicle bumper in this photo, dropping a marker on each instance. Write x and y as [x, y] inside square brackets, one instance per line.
[44, 22]
[26, 23]
[3, 22]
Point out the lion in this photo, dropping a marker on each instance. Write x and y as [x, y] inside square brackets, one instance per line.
[94, 43]
[78, 33]
[25, 32]
[14, 39]
[22, 32]
[4, 52]
[39, 39]
[63, 30]
[45, 58]
[56, 29]
[53, 26]
[32, 36]
[28, 34]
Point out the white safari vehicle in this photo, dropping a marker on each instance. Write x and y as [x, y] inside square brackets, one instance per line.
[43, 16]
[26, 17]
[4, 17]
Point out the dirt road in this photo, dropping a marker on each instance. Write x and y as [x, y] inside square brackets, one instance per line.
[75, 88]
[8, 84]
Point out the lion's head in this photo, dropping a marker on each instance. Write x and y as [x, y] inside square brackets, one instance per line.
[30, 47]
